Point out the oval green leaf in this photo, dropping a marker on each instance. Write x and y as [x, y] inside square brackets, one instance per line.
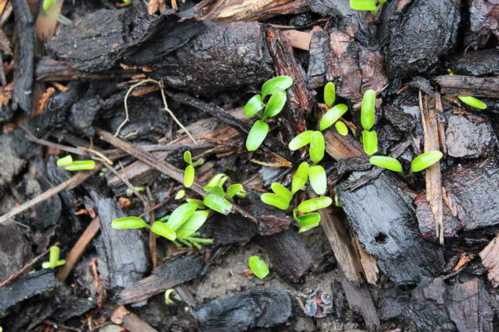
[192, 225]
[314, 204]
[317, 147]
[257, 135]
[275, 104]
[332, 115]
[300, 177]
[258, 267]
[368, 109]
[281, 191]
[130, 222]
[162, 229]
[363, 5]
[473, 102]
[275, 201]
[278, 83]
[253, 106]
[318, 179]
[341, 128]
[388, 163]
[308, 221]
[370, 142]
[300, 140]
[425, 160]
[217, 203]
[188, 157]
[329, 94]
[189, 174]
[180, 215]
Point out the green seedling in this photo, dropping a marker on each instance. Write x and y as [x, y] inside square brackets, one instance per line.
[368, 110]
[389, 163]
[54, 258]
[318, 179]
[366, 5]
[314, 139]
[425, 160]
[218, 203]
[69, 164]
[329, 94]
[305, 214]
[300, 177]
[308, 221]
[258, 267]
[129, 222]
[170, 296]
[370, 142]
[332, 115]
[341, 128]
[236, 189]
[314, 204]
[217, 199]
[473, 102]
[47, 4]
[180, 194]
[190, 171]
[265, 108]
[64, 161]
[280, 197]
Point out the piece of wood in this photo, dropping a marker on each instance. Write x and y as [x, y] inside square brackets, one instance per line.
[168, 275]
[25, 269]
[79, 248]
[458, 85]
[433, 176]
[359, 299]
[490, 259]
[299, 39]
[130, 321]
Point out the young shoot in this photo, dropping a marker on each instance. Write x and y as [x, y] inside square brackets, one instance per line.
[366, 5]
[334, 113]
[306, 214]
[280, 197]
[370, 142]
[329, 94]
[368, 110]
[268, 104]
[69, 164]
[314, 139]
[218, 199]
[258, 267]
[314, 204]
[425, 160]
[388, 163]
[190, 171]
[473, 102]
[307, 221]
[54, 258]
[341, 128]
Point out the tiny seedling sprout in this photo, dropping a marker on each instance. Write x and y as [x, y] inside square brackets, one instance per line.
[366, 5]
[170, 296]
[265, 107]
[190, 171]
[473, 102]
[425, 160]
[318, 179]
[370, 142]
[258, 267]
[279, 198]
[329, 94]
[300, 177]
[389, 163]
[69, 164]
[54, 258]
[341, 128]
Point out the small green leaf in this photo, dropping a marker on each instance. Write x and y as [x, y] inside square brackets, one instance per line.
[217, 203]
[308, 221]
[389, 163]
[191, 226]
[258, 266]
[341, 128]
[236, 189]
[275, 104]
[189, 175]
[329, 94]
[180, 194]
[318, 179]
[425, 160]
[130, 222]
[180, 215]
[65, 161]
[80, 165]
[257, 135]
[275, 201]
[188, 157]
[217, 181]
[317, 147]
[314, 204]
[281, 191]
[368, 110]
[332, 115]
[278, 83]
[300, 177]
[47, 4]
[363, 5]
[54, 260]
[370, 142]
[253, 106]
[301, 140]
[473, 102]
[163, 230]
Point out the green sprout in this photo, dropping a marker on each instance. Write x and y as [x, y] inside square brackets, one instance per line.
[170, 296]
[318, 179]
[473, 102]
[370, 142]
[329, 94]
[54, 258]
[366, 5]
[425, 160]
[389, 163]
[180, 194]
[47, 4]
[265, 108]
[305, 214]
[190, 171]
[368, 110]
[300, 177]
[217, 198]
[280, 197]
[69, 164]
[334, 113]
[341, 128]
[258, 267]
[307, 221]
[314, 204]
[314, 139]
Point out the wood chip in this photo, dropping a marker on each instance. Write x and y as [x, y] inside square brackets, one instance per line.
[490, 259]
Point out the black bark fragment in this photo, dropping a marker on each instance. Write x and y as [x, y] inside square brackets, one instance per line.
[262, 308]
[383, 219]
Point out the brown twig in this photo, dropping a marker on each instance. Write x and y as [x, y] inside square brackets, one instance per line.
[79, 248]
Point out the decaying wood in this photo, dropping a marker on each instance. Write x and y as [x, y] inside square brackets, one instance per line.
[78, 249]
[490, 259]
[342, 147]
[458, 85]
[298, 39]
[167, 275]
[360, 299]
[433, 174]
[246, 10]
[299, 97]
[130, 321]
